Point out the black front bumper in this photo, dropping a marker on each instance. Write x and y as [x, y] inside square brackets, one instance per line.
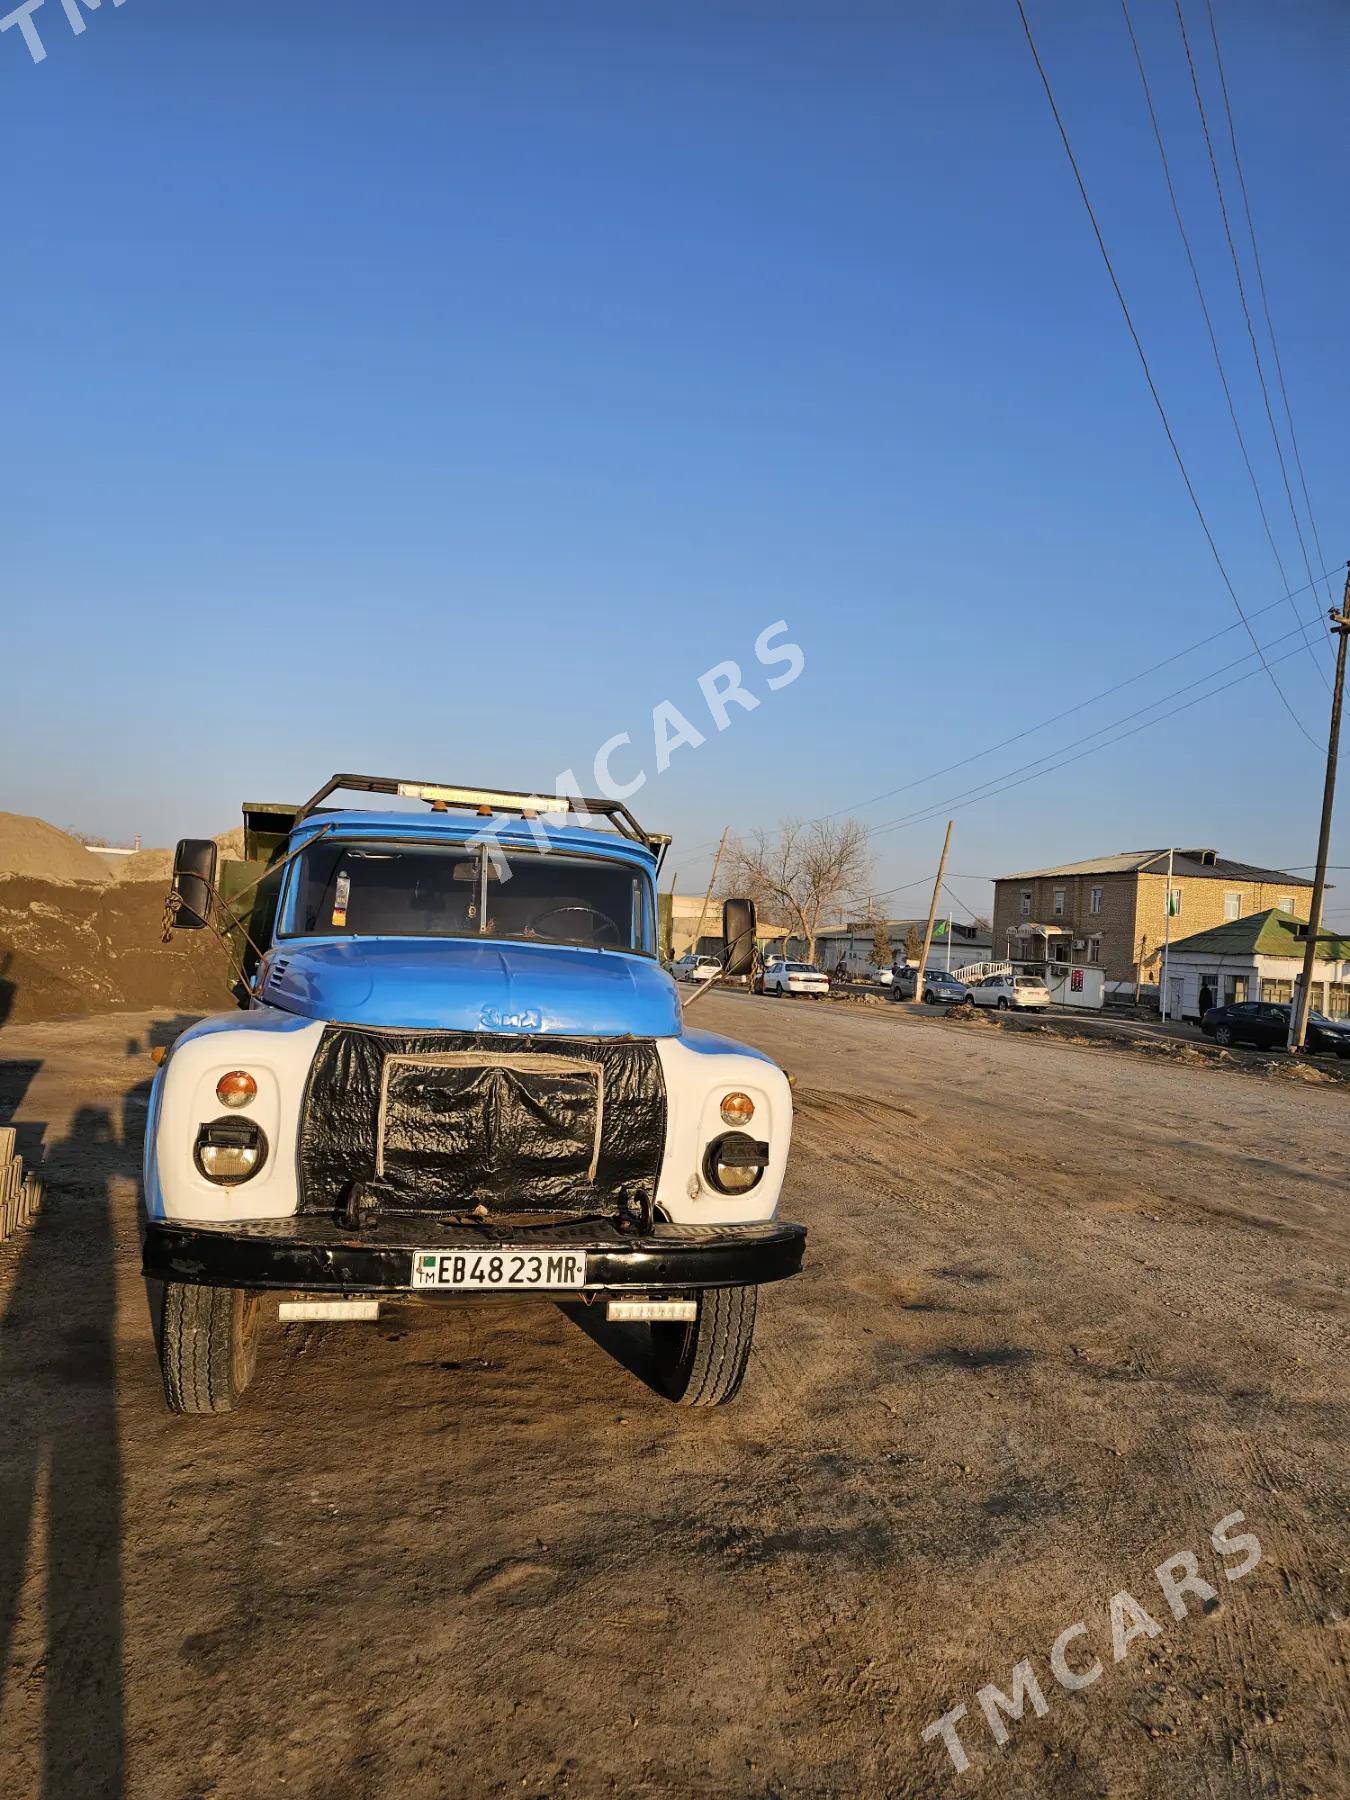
[314, 1255]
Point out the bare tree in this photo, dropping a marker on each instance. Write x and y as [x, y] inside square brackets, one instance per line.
[805, 871]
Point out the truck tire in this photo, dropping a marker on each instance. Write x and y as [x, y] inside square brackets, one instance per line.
[208, 1346]
[702, 1363]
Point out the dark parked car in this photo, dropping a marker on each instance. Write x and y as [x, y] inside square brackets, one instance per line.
[1266, 1025]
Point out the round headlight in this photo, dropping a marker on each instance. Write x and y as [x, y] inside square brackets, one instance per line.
[228, 1151]
[236, 1089]
[737, 1109]
[734, 1164]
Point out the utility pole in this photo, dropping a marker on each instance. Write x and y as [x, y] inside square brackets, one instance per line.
[920, 972]
[712, 879]
[1298, 1012]
[1167, 939]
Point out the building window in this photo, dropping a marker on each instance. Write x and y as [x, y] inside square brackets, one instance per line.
[1026, 903]
[1094, 951]
[1095, 900]
[1277, 993]
[1234, 990]
[1286, 903]
[1338, 1000]
[1059, 903]
[1232, 906]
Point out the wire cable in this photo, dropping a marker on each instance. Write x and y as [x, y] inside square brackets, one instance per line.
[1087, 737]
[1054, 719]
[1242, 295]
[1148, 372]
[950, 806]
[1209, 323]
[961, 903]
[1261, 286]
[1041, 724]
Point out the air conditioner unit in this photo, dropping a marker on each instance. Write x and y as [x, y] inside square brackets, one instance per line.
[1080, 943]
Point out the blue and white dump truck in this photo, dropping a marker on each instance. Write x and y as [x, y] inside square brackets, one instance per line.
[460, 1071]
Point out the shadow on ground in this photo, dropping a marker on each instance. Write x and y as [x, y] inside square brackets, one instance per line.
[60, 1463]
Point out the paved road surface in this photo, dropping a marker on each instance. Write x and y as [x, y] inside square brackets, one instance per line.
[1065, 1310]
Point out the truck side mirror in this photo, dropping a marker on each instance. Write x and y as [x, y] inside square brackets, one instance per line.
[738, 937]
[194, 881]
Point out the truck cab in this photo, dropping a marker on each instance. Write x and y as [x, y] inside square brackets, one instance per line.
[458, 1071]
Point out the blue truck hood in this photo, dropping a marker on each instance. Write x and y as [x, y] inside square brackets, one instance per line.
[450, 984]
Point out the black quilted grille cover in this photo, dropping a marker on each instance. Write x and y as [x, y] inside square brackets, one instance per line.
[443, 1121]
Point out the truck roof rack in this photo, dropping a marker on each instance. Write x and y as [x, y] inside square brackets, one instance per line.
[485, 801]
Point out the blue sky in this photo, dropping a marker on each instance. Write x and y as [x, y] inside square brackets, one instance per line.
[435, 390]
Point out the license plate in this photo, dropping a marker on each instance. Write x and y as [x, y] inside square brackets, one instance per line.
[502, 1268]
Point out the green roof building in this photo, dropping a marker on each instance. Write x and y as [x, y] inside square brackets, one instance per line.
[1256, 958]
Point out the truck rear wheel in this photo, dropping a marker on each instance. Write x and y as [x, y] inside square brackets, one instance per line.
[208, 1346]
[702, 1363]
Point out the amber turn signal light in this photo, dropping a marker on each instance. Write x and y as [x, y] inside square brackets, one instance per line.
[236, 1089]
[737, 1109]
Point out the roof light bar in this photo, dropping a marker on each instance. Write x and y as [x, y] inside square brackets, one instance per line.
[485, 799]
[499, 802]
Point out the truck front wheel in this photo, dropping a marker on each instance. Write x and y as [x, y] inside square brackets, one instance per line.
[701, 1363]
[208, 1346]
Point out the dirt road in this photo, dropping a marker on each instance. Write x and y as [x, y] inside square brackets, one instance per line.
[1064, 1311]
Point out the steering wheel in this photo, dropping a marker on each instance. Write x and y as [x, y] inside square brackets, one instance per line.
[553, 912]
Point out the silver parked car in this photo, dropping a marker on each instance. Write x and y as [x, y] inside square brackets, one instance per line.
[939, 988]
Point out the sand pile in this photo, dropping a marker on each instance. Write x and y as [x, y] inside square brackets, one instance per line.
[38, 851]
[144, 865]
[72, 948]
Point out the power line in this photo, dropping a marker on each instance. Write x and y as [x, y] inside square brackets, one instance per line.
[1125, 719]
[1041, 724]
[885, 893]
[961, 903]
[947, 805]
[1148, 372]
[1209, 323]
[1261, 285]
[1242, 295]
[1028, 772]
[1054, 719]
[1100, 731]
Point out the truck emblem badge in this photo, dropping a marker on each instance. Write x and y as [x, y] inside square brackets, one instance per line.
[529, 1019]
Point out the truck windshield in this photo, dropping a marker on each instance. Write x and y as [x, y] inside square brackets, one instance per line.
[371, 889]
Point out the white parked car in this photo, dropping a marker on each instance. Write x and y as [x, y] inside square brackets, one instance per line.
[1003, 991]
[694, 968]
[795, 978]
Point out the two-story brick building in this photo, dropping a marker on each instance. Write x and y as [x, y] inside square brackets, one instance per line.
[1112, 911]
